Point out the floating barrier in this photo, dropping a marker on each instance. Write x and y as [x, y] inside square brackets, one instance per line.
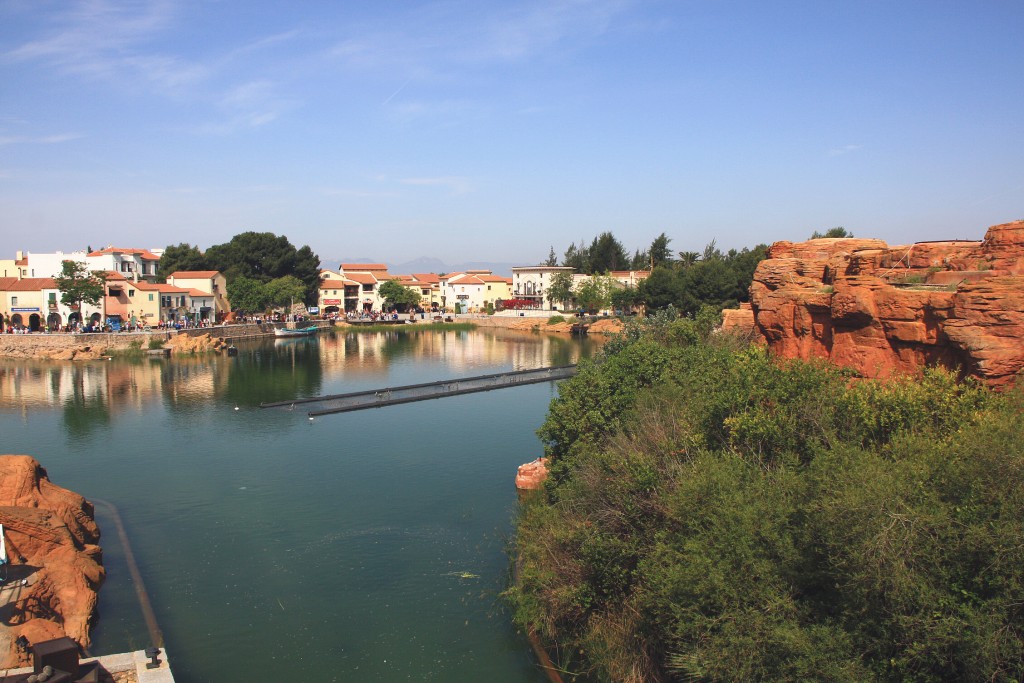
[389, 396]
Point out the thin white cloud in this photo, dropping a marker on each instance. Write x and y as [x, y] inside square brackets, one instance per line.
[846, 149]
[44, 140]
[471, 40]
[94, 36]
[253, 104]
[356, 194]
[455, 184]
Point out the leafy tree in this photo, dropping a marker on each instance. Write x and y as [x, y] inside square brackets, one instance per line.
[641, 260]
[663, 288]
[78, 286]
[552, 260]
[660, 254]
[284, 291]
[397, 295]
[702, 279]
[715, 514]
[577, 258]
[594, 293]
[248, 295]
[624, 298]
[606, 254]
[264, 256]
[838, 231]
[560, 288]
[181, 257]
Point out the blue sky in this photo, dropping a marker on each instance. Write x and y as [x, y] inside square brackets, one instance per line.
[484, 130]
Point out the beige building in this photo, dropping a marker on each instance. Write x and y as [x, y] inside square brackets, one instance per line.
[475, 290]
[369, 277]
[35, 303]
[338, 294]
[210, 297]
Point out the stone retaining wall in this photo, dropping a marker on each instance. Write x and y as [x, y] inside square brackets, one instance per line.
[61, 346]
[68, 346]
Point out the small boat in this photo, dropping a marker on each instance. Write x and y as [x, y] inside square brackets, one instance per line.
[295, 332]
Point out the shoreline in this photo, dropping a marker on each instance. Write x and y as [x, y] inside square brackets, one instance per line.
[61, 346]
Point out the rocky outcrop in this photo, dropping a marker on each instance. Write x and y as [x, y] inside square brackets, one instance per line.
[200, 343]
[884, 310]
[531, 476]
[55, 564]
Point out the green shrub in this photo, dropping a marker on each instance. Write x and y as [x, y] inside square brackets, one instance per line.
[555, 319]
[716, 514]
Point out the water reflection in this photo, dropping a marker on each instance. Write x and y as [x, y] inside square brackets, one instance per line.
[93, 393]
[278, 549]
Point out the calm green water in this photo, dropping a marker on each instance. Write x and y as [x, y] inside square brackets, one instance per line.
[275, 548]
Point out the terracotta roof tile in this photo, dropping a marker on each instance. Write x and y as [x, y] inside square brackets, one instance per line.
[362, 278]
[145, 254]
[194, 274]
[31, 284]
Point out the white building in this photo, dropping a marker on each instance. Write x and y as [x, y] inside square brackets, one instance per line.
[132, 263]
[531, 283]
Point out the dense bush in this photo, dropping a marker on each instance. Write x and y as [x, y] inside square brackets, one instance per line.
[714, 514]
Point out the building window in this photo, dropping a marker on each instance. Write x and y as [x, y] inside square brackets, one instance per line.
[14, 301]
[131, 293]
[151, 296]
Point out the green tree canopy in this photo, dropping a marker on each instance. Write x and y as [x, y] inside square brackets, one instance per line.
[838, 231]
[396, 295]
[594, 293]
[659, 252]
[577, 258]
[78, 286]
[714, 514]
[283, 291]
[264, 256]
[560, 288]
[709, 278]
[180, 257]
[248, 295]
[606, 254]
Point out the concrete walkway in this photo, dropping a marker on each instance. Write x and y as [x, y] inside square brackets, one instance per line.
[129, 662]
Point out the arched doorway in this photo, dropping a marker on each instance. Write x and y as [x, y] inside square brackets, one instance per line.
[16, 320]
[53, 321]
[74, 319]
[94, 322]
[33, 322]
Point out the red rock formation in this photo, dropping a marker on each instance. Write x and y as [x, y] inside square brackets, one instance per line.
[531, 476]
[55, 565]
[883, 310]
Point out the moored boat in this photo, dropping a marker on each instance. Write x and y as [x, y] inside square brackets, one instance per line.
[295, 332]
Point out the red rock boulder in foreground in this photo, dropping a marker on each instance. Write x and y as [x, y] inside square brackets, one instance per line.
[55, 568]
[532, 475]
[884, 310]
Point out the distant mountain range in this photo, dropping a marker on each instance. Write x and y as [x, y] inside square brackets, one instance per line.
[427, 264]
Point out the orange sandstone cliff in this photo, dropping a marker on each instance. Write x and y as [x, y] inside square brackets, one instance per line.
[884, 310]
[55, 568]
